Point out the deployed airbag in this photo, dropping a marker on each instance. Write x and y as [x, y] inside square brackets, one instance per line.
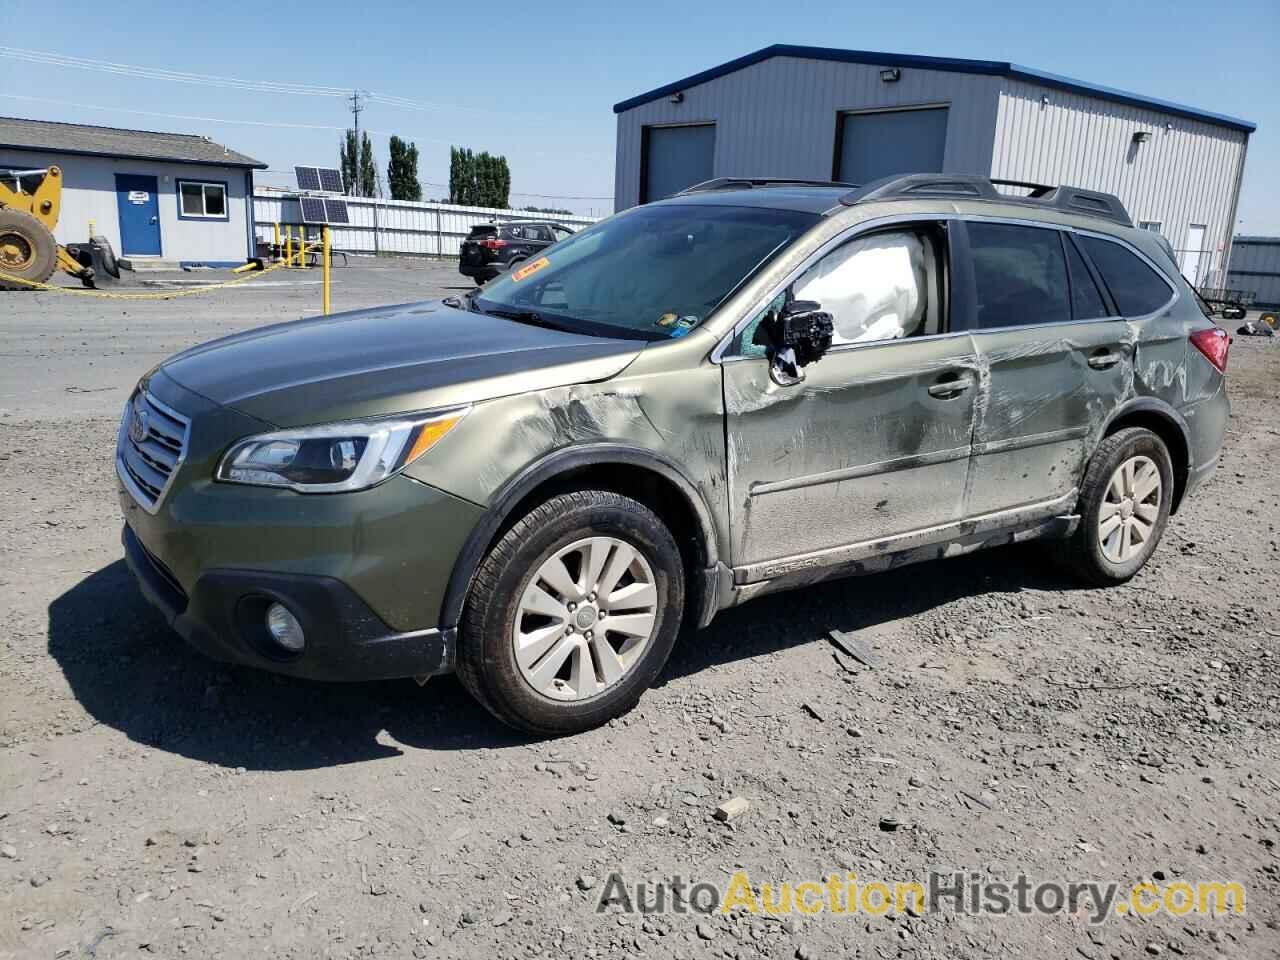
[873, 288]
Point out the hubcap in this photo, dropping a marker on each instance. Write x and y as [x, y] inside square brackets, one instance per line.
[1130, 508]
[15, 251]
[585, 618]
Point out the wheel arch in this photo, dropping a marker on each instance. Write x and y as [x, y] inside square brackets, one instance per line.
[1166, 423]
[642, 474]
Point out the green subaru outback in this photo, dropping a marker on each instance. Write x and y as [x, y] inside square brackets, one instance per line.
[748, 387]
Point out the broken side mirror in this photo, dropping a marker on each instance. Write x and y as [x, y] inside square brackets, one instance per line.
[794, 336]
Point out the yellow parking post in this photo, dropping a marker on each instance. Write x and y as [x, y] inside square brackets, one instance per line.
[288, 245]
[93, 228]
[275, 239]
[324, 265]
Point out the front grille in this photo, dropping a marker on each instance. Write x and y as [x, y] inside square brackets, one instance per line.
[151, 445]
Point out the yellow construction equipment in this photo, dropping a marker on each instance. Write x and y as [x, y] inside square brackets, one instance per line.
[30, 201]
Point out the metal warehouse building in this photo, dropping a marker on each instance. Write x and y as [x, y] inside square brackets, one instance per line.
[1255, 267]
[160, 198]
[855, 116]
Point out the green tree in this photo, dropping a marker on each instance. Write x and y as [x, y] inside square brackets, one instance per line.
[349, 161]
[479, 179]
[368, 168]
[402, 171]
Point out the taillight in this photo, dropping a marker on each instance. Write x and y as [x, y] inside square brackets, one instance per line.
[493, 243]
[1213, 342]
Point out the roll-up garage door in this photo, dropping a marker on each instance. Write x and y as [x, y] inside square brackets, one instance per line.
[881, 144]
[675, 158]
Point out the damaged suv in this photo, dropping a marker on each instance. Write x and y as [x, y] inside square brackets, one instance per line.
[751, 386]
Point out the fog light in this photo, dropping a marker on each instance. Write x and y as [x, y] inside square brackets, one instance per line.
[284, 628]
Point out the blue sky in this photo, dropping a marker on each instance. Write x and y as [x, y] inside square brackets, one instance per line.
[537, 82]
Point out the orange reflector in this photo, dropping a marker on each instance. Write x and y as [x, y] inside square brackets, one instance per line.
[428, 435]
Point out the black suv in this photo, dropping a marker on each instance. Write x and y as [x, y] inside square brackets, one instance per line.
[491, 248]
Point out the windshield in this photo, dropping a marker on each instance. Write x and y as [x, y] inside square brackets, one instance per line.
[650, 273]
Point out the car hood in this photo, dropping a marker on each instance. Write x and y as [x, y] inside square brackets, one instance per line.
[368, 363]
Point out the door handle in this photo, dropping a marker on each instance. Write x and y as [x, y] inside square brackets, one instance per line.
[1104, 360]
[950, 389]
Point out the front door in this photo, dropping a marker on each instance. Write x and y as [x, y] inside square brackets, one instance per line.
[1193, 253]
[874, 442]
[139, 215]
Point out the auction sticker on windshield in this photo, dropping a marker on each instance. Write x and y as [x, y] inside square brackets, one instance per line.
[530, 268]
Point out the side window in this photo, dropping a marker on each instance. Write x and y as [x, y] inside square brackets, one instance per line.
[1135, 287]
[875, 288]
[561, 232]
[545, 234]
[1020, 275]
[1086, 299]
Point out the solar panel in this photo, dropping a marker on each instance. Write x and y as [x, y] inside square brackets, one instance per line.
[308, 178]
[330, 180]
[312, 209]
[336, 210]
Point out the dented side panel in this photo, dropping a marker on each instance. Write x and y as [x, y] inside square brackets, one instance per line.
[858, 450]
[1045, 392]
[669, 402]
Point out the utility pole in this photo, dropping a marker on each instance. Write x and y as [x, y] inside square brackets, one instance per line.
[356, 106]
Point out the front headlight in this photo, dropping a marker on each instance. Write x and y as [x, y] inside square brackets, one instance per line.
[336, 457]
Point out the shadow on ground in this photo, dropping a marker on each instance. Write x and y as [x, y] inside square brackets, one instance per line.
[131, 672]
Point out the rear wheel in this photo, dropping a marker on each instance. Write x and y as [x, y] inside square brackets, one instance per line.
[1124, 507]
[572, 614]
[27, 250]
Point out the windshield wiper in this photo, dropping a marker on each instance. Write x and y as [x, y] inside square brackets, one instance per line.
[523, 316]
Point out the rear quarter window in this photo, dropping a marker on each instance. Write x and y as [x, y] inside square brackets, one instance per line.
[1136, 288]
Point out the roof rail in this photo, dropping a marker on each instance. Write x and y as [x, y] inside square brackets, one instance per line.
[1077, 200]
[740, 183]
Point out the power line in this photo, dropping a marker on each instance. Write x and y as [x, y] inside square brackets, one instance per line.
[50, 58]
[175, 76]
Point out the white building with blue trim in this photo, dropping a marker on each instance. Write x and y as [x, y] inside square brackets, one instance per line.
[169, 198]
[857, 115]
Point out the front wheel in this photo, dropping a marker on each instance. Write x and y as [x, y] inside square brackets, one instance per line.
[1124, 507]
[572, 614]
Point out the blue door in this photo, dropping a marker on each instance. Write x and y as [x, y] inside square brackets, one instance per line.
[139, 215]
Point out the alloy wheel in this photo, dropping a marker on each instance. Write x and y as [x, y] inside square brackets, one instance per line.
[1130, 509]
[585, 618]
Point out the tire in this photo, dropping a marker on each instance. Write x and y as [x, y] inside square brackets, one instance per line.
[27, 249]
[497, 606]
[1102, 561]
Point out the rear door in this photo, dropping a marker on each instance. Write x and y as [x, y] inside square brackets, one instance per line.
[473, 253]
[1055, 358]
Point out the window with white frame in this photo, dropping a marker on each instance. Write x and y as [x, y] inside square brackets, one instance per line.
[202, 200]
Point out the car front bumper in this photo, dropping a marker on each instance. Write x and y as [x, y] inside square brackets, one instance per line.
[224, 618]
[365, 573]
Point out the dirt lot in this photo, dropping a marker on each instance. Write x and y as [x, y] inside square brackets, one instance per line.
[155, 803]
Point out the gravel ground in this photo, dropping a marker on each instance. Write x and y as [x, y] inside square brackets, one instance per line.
[153, 803]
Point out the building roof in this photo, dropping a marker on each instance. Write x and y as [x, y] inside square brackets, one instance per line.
[995, 68]
[88, 141]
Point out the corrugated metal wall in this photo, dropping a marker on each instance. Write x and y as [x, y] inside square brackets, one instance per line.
[1255, 266]
[1187, 173]
[397, 226]
[778, 117]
